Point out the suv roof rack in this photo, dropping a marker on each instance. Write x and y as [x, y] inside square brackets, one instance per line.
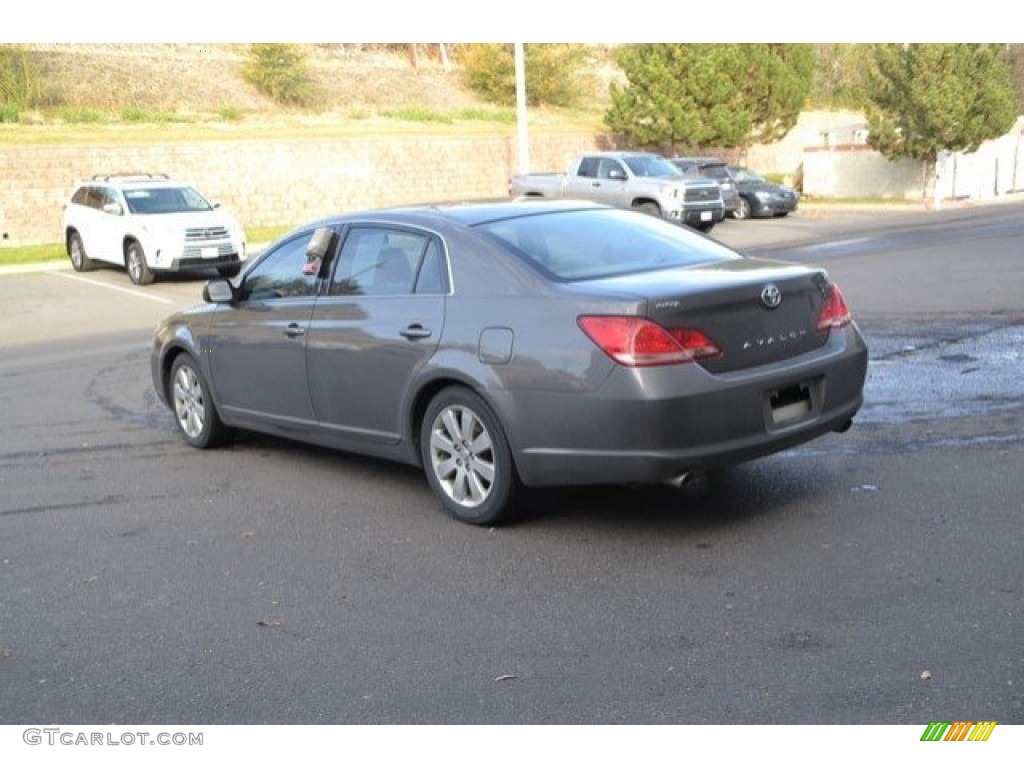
[131, 177]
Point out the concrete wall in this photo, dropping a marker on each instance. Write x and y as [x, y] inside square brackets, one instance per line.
[860, 172]
[812, 129]
[278, 183]
[857, 171]
[997, 168]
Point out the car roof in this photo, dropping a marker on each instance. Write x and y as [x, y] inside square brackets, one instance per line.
[619, 153]
[468, 214]
[132, 180]
[700, 160]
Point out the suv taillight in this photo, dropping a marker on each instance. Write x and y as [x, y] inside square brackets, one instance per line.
[637, 342]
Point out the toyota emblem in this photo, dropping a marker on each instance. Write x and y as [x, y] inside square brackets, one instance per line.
[771, 296]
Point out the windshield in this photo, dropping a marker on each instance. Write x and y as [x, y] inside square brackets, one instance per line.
[165, 200]
[586, 245]
[716, 172]
[652, 166]
[742, 174]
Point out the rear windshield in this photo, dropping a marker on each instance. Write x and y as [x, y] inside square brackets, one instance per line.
[165, 200]
[586, 245]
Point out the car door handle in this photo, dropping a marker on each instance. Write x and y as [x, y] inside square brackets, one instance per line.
[294, 330]
[416, 332]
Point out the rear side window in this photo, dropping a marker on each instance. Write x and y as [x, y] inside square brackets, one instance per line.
[92, 197]
[588, 168]
[586, 245]
[381, 261]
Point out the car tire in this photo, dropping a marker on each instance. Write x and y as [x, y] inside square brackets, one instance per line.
[652, 209]
[706, 226]
[467, 459]
[194, 412]
[76, 252]
[135, 262]
[743, 210]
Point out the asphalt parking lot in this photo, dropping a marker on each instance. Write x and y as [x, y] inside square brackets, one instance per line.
[867, 578]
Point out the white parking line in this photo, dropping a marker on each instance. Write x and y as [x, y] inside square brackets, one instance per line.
[129, 291]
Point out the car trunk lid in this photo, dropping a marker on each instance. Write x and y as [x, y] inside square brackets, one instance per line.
[756, 312]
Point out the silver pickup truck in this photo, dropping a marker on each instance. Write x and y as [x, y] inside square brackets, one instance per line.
[630, 180]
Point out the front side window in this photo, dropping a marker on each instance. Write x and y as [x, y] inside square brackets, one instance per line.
[107, 197]
[281, 274]
[608, 167]
[652, 166]
[379, 261]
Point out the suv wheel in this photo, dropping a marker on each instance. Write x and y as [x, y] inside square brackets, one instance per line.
[135, 260]
[652, 209]
[76, 252]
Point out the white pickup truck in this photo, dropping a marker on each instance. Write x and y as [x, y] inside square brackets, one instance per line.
[641, 180]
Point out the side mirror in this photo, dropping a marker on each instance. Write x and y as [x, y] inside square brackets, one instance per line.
[316, 251]
[219, 291]
[114, 209]
[319, 243]
[617, 174]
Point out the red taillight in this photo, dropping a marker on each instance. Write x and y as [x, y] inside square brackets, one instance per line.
[637, 342]
[834, 313]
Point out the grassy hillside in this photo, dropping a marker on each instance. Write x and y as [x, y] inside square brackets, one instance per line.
[93, 92]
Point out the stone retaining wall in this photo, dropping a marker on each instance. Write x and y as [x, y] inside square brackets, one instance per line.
[278, 183]
[284, 183]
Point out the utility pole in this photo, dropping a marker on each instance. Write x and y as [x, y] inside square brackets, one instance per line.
[521, 122]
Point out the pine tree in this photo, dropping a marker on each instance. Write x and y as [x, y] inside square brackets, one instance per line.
[709, 95]
[927, 98]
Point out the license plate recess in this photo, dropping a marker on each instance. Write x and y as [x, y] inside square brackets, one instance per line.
[792, 404]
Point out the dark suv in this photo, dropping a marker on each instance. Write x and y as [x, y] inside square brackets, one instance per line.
[747, 195]
[712, 168]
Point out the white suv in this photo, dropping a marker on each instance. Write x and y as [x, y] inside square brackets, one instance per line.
[149, 223]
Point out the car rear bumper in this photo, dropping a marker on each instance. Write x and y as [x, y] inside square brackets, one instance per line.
[650, 425]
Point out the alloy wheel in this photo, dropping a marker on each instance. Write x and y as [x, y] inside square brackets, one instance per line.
[189, 402]
[462, 455]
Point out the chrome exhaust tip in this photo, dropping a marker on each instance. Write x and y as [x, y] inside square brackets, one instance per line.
[681, 480]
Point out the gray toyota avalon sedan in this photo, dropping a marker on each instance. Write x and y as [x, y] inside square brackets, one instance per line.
[510, 345]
